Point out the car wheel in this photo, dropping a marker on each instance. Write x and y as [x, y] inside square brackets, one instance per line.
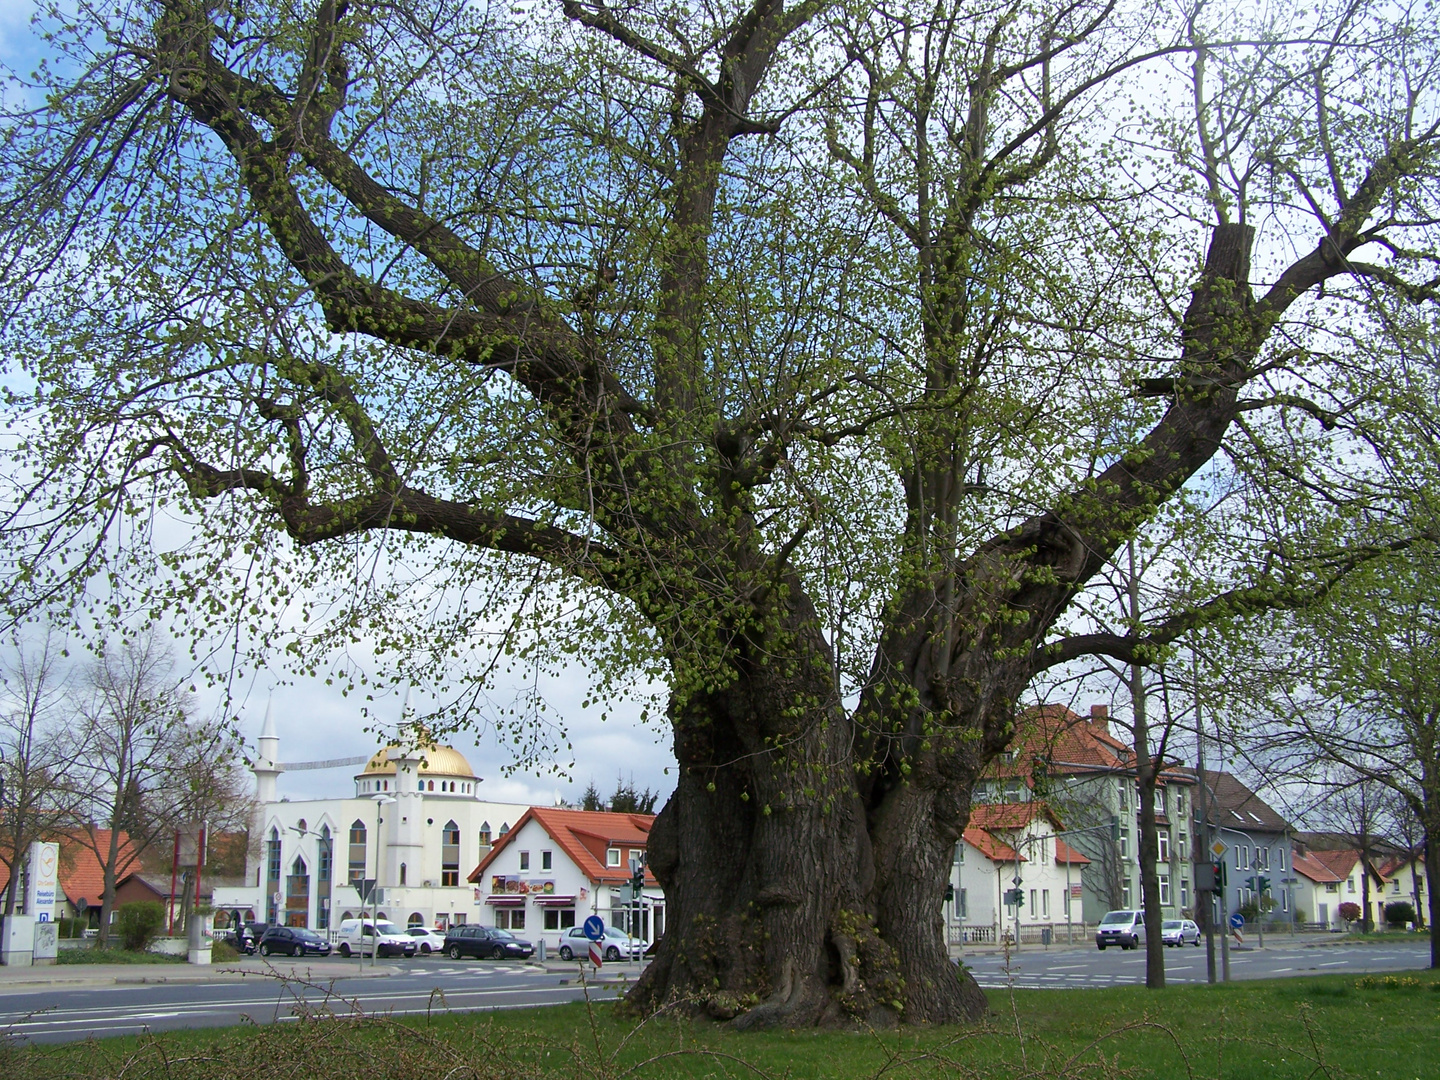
[345, 949]
[296, 950]
[264, 950]
[1099, 946]
[565, 953]
[425, 949]
[497, 952]
[454, 952]
[612, 953]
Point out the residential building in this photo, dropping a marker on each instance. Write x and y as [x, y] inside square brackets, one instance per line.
[1086, 774]
[1316, 891]
[557, 866]
[1005, 848]
[1346, 881]
[82, 875]
[1405, 880]
[414, 822]
[1258, 863]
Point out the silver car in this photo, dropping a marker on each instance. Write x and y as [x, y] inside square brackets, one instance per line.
[614, 946]
[1180, 932]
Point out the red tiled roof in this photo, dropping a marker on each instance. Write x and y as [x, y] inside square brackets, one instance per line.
[1014, 815]
[81, 872]
[1315, 870]
[1065, 853]
[993, 849]
[1339, 863]
[584, 836]
[1070, 744]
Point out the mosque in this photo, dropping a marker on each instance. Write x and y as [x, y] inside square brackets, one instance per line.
[415, 827]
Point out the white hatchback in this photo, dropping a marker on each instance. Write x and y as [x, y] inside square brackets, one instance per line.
[427, 939]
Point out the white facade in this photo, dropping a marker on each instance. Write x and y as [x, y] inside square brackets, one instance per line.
[415, 825]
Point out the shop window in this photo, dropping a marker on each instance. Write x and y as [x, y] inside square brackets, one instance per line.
[559, 918]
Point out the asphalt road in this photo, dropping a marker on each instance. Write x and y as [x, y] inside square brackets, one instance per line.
[1033, 968]
[66, 1013]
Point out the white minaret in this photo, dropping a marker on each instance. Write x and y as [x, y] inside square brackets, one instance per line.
[407, 834]
[267, 758]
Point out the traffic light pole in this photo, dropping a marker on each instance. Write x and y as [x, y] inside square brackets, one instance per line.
[1209, 839]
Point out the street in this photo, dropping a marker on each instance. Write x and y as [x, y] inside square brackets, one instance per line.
[61, 1013]
[1034, 968]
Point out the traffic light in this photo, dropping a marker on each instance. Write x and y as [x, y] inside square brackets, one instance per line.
[950, 892]
[1015, 898]
[637, 883]
[1262, 885]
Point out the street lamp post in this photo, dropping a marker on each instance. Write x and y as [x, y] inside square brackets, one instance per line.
[379, 800]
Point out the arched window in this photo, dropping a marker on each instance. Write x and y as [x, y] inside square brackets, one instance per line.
[415, 919]
[402, 873]
[432, 785]
[485, 834]
[450, 854]
[357, 852]
[347, 915]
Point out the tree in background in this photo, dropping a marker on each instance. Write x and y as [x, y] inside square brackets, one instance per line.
[811, 361]
[133, 723]
[630, 800]
[39, 750]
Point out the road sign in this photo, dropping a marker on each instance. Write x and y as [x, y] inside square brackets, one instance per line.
[1218, 848]
[594, 928]
[595, 953]
[1237, 921]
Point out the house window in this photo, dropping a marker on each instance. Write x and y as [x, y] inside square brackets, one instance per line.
[524, 860]
[964, 904]
[1164, 845]
[1045, 903]
[1183, 846]
[1124, 795]
[612, 857]
[559, 918]
[450, 854]
[1350, 884]
[547, 860]
[1125, 895]
[357, 852]
[1124, 842]
[1280, 858]
[1184, 893]
[1262, 858]
[1032, 903]
[1012, 791]
[1284, 899]
[1164, 890]
[1331, 886]
[1395, 885]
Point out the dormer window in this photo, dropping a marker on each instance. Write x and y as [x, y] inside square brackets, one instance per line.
[612, 857]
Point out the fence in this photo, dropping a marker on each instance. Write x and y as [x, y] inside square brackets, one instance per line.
[1030, 933]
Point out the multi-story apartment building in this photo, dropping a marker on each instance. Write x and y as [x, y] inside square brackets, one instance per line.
[1085, 772]
[1258, 857]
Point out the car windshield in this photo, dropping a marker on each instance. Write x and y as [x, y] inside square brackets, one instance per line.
[1171, 924]
[306, 935]
[418, 931]
[387, 928]
[502, 935]
[1112, 917]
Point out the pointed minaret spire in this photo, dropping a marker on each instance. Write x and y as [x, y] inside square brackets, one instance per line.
[267, 756]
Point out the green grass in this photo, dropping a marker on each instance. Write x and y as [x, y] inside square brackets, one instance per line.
[95, 955]
[1326, 1026]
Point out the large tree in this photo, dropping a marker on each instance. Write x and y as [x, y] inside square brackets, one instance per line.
[825, 356]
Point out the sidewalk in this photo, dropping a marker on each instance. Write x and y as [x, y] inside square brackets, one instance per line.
[19, 979]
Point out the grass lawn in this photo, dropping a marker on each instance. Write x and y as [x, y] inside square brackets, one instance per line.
[1327, 1026]
[93, 955]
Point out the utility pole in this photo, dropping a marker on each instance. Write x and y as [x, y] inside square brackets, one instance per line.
[1204, 826]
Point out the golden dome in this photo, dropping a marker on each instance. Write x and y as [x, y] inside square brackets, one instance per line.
[435, 761]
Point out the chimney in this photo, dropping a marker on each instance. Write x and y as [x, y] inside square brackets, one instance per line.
[1100, 717]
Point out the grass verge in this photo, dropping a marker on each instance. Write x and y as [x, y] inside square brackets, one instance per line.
[1327, 1026]
[97, 955]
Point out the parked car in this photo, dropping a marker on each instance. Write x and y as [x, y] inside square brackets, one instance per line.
[486, 943]
[613, 945]
[1179, 932]
[293, 941]
[427, 939]
[1124, 928]
[380, 939]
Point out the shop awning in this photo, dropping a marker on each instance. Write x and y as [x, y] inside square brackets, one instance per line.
[551, 900]
[505, 900]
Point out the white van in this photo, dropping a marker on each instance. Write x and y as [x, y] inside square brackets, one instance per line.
[1124, 928]
[368, 937]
